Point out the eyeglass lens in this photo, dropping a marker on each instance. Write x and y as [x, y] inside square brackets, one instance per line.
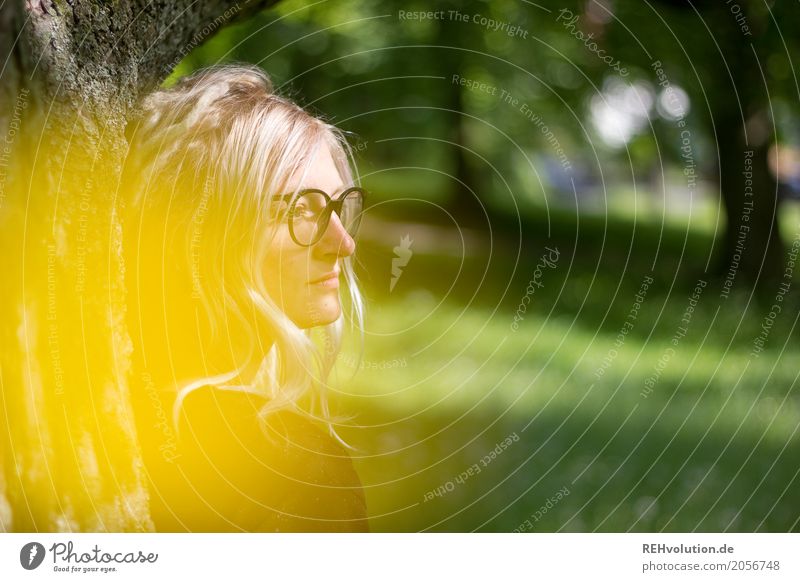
[312, 212]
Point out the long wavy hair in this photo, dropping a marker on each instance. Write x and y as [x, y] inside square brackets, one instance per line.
[206, 156]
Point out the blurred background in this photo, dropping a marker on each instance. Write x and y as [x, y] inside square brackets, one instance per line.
[577, 256]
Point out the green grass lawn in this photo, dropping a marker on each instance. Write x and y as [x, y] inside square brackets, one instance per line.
[712, 445]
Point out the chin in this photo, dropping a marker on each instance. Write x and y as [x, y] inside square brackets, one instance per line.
[319, 313]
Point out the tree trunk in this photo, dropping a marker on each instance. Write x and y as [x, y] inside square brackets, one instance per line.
[735, 85]
[75, 70]
[752, 250]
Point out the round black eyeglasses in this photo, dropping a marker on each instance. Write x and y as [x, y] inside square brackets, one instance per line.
[310, 213]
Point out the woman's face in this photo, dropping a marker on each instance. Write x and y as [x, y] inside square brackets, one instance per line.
[304, 281]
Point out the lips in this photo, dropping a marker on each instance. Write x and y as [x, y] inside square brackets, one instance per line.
[332, 276]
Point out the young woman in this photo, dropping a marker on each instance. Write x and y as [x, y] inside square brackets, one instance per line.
[240, 210]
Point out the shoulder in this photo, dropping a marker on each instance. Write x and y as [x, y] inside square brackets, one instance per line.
[216, 417]
[279, 473]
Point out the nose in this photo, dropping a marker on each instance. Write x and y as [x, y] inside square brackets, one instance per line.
[336, 240]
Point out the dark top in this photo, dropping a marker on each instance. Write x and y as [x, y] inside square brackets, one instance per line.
[233, 471]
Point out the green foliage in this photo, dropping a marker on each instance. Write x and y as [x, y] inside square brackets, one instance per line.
[384, 76]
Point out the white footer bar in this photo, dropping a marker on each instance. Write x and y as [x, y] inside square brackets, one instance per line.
[406, 557]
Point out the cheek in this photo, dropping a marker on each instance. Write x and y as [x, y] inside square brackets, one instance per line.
[275, 262]
[286, 268]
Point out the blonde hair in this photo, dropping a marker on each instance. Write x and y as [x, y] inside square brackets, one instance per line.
[207, 154]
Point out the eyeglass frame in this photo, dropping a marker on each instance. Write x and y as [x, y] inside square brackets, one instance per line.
[331, 205]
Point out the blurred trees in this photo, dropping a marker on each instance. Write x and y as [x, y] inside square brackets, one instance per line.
[580, 99]
[734, 58]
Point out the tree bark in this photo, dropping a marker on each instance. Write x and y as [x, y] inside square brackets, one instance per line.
[74, 72]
